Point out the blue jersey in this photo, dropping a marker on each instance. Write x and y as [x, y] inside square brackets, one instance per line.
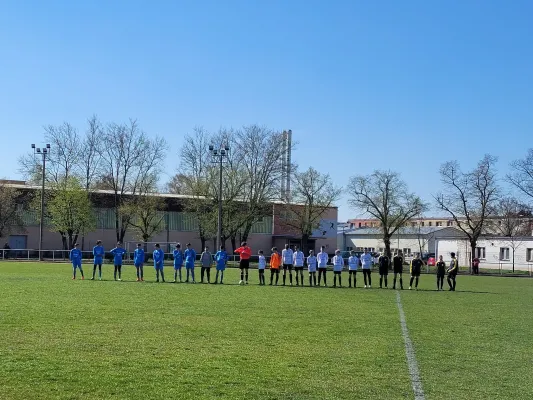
[221, 258]
[138, 256]
[190, 257]
[75, 256]
[118, 253]
[159, 256]
[178, 258]
[98, 253]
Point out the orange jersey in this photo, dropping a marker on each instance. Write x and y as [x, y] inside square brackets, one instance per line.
[245, 252]
[275, 261]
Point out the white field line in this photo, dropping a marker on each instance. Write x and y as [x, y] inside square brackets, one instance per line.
[414, 374]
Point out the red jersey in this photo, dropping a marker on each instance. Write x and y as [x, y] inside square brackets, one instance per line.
[245, 252]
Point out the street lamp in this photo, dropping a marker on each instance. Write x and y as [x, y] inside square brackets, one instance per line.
[43, 152]
[218, 157]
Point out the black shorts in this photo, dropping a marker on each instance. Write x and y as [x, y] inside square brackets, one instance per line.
[398, 270]
[287, 267]
[415, 272]
[337, 272]
[298, 268]
[352, 271]
[453, 276]
[384, 270]
[440, 274]
[244, 264]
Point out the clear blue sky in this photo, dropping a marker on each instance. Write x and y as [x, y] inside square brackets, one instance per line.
[404, 85]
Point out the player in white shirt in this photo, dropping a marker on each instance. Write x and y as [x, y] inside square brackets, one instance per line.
[353, 265]
[366, 263]
[322, 260]
[298, 260]
[311, 267]
[287, 257]
[261, 268]
[338, 266]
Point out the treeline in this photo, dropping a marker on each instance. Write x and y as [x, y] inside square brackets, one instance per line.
[126, 161]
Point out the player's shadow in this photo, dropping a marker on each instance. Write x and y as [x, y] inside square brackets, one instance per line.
[446, 290]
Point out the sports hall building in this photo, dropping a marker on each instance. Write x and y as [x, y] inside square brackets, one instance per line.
[179, 226]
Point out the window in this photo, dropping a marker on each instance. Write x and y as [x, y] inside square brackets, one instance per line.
[504, 253]
[422, 223]
[438, 223]
[430, 223]
[406, 251]
[413, 224]
[349, 248]
[480, 253]
[359, 224]
[529, 255]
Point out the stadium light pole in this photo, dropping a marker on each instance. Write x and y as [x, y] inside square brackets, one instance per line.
[43, 152]
[218, 156]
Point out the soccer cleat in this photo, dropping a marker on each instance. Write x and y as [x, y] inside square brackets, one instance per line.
[137, 280]
[366, 286]
[241, 282]
[174, 281]
[100, 278]
[82, 278]
[75, 278]
[92, 279]
[119, 279]
[247, 282]
[409, 287]
[157, 280]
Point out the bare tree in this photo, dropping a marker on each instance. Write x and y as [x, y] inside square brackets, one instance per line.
[90, 154]
[62, 160]
[197, 180]
[10, 218]
[469, 197]
[511, 223]
[384, 196]
[261, 160]
[131, 162]
[177, 184]
[521, 175]
[312, 195]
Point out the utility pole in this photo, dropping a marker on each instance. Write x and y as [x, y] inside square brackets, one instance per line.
[218, 158]
[44, 152]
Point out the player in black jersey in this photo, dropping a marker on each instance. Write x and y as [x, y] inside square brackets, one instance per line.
[397, 265]
[416, 269]
[441, 270]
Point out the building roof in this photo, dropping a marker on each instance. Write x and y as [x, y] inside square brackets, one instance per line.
[423, 230]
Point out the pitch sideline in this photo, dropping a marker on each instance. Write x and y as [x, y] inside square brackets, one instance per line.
[414, 373]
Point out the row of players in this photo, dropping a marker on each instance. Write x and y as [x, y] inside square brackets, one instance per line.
[288, 260]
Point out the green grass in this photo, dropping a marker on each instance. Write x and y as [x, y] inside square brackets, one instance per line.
[127, 340]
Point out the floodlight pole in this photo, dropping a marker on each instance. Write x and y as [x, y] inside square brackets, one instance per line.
[218, 157]
[44, 152]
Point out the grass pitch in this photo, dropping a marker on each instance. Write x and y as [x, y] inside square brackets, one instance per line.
[78, 339]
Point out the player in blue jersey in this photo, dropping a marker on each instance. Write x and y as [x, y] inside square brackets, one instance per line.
[98, 253]
[75, 257]
[190, 258]
[178, 262]
[159, 258]
[138, 261]
[221, 258]
[118, 253]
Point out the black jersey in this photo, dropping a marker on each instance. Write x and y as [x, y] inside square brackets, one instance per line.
[397, 262]
[441, 268]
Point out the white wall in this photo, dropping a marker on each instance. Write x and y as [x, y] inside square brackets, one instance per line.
[492, 252]
[377, 243]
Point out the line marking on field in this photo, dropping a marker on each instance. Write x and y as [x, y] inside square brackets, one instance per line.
[414, 374]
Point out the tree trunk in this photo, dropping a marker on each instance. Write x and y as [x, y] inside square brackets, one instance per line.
[513, 259]
[386, 241]
[305, 243]
[202, 241]
[117, 226]
[246, 232]
[233, 244]
[473, 244]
